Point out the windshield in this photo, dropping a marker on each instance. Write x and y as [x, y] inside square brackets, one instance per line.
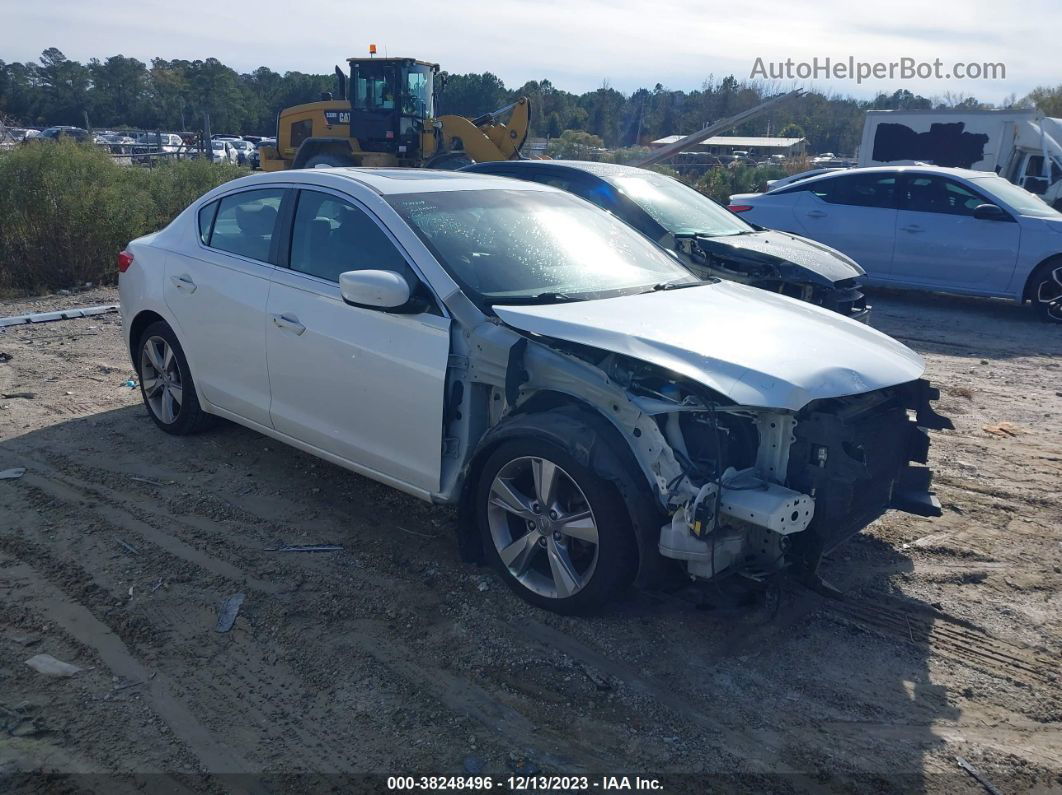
[513, 246]
[1019, 199]
[679, 209]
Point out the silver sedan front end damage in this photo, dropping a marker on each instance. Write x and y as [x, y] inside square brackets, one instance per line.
[735, 489]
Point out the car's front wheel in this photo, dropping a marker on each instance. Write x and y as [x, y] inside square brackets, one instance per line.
[166, 382]
[1046, 291]
[558, 533]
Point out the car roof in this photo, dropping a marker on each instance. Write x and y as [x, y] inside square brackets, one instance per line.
[603, 170]
[393, 181]
[965, 173]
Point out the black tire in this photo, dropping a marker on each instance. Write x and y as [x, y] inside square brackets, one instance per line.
[616, 551]
[330, 160]
[1045, 290]
[189, 417]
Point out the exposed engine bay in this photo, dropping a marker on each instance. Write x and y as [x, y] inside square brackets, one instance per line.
[780, 488]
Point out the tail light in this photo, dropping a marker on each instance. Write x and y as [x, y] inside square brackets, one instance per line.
[739, 208]
[125, 259]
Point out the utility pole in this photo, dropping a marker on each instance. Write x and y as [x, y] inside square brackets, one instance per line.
[722, 125]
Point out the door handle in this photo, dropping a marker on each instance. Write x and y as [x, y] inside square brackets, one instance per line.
[183, 282]
[816, 214]
[913, 228]
[288, 322]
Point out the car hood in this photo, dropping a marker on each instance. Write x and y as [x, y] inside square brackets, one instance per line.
[796, 259]
[754, 347]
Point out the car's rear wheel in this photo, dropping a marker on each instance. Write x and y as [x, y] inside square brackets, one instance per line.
[1046, 291]
[558, 532]
[166, 382]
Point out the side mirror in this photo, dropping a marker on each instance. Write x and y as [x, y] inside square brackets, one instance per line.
[990, 212]
[385, 290]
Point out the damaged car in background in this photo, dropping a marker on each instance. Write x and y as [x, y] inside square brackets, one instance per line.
[599, 415]
[705, 237]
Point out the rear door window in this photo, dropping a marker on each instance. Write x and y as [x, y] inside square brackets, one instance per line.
[245, 223]
[856, 190]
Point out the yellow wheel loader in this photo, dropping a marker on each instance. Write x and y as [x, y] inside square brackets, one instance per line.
[385, 116]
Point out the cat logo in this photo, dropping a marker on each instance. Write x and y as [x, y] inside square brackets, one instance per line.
[337, 117]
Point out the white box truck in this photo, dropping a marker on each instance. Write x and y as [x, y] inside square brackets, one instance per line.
[1023, 146]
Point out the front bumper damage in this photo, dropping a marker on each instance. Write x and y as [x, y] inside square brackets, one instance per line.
[713, 487]
[822, 474]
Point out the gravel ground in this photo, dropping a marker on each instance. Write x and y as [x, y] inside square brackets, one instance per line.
[119, 544]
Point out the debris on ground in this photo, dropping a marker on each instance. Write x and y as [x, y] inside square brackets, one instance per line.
[230, 608]
[65, 314]
[1003, 430]
[973, 771]
[13, 473]
[151, 482]
[599, 681]
[128, 547]
[13, 395]
[49, 666]
[5, 357]
[307, 548]
[130, 383]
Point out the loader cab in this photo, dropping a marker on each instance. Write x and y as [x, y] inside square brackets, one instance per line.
[391, 101]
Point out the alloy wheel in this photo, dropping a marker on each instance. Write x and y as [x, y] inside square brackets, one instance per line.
[1049, 294]
[543, 527]
[160, 376]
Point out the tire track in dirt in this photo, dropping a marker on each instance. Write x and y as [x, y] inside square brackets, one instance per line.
[961, 643]
[78, 622]
[226, 691]
[92, 498]
[479, 704]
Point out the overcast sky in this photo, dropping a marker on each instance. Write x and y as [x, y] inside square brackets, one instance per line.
[576, 44]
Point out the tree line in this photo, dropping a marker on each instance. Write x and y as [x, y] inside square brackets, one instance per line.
[123, 92]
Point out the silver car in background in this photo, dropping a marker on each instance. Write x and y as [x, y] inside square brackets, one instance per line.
[929, 228]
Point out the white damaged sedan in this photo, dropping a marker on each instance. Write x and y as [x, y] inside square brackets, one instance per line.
[599, 415]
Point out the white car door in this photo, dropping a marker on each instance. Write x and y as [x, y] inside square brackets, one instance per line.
[217, 293]
[940, 244]
[853, 213]
[362, 384]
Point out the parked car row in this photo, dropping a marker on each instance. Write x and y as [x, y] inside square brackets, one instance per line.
[223, 148]
[602, 408]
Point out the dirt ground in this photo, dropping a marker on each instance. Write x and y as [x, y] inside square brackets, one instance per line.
[392, 656]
